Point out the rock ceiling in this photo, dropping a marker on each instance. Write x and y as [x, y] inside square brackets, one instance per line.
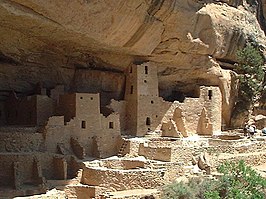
[191, 41]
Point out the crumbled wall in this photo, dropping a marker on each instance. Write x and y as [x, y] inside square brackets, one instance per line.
[120, 108]
[25, 163]
[45, 108]
[56, 92]
[67, 106]
[191, 109]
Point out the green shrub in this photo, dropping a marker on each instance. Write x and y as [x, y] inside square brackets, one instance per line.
[195, 188]
[179, 190]
[241, 181]
[238, 182]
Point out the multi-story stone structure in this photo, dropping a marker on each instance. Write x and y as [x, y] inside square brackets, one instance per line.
[144, 107]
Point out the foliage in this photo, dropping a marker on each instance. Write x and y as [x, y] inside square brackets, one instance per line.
[238, 182]
[241, 181]
[195, 188]
[179, 190]
[250, 68]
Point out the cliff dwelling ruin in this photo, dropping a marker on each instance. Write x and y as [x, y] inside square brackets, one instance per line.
[52, 129]
[57, 132]
[117, 98]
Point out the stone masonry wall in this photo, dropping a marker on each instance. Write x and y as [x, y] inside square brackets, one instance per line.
[156, 153]
[45, 108]
[31, 110]
[210, 99]
[144, 108]
[21, 142]
[115, 179]
[67, 106]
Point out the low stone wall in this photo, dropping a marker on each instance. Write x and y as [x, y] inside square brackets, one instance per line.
[133, 194]
[245, 146]
[158, 153]
[221, 142]
[114, 179]
[250, 159]
[83, 191]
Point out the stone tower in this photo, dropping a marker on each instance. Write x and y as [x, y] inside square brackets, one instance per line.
[142, 100]
[212, 98]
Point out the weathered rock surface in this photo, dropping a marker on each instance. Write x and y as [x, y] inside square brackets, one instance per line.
[193, 42]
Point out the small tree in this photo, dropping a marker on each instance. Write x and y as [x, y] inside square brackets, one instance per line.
[251, 82]
[251, 73]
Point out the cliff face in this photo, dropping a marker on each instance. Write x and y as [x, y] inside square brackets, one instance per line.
[193, 42]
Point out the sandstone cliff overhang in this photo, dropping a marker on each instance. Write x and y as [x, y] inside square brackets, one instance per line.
[192, 42]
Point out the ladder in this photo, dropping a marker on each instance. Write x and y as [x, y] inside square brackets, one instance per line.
[122, 148]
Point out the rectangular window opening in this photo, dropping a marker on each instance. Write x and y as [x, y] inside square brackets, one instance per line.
[131, 90]
[146, 69]
[83, 124]
[148, 121]
[111, 125]
[210, 94]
